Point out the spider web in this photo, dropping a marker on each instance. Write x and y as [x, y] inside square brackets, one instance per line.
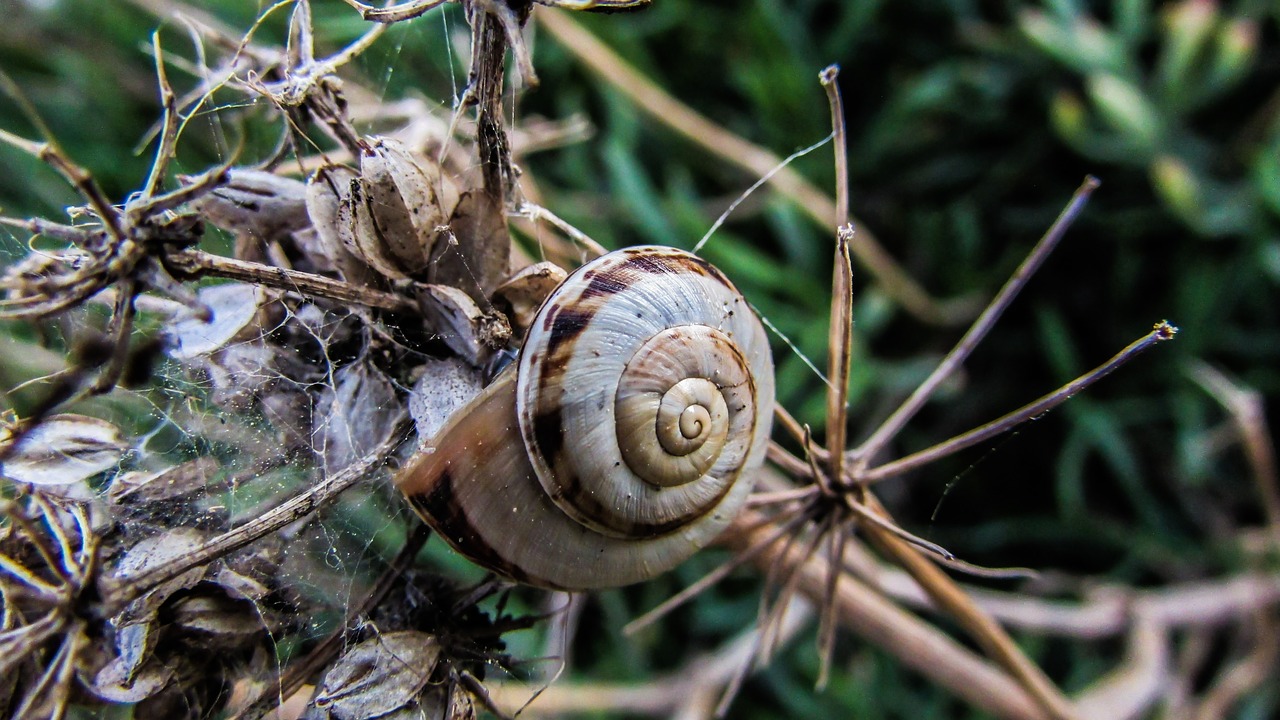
[258, 402]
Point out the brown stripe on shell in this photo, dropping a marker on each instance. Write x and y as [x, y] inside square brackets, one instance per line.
[445, 515]
[608, 283]
[657, 263]
[564, 325]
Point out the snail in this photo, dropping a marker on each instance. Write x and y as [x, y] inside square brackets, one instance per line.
[622, 440]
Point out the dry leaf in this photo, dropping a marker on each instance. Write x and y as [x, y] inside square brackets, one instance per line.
[329, 206]
[398, 203]
[378, 676]
[223, 623]
[119, 683]
[256, 203]
[464, 327]
[234, 307]
[524, 292]
[478, 255]
[153, 552]
[355, 416]
[64, 450]
[445, 387]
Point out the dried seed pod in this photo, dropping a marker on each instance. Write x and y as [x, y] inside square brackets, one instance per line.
[625, 439]
[256, 203]
[524, 292]
[398, 206]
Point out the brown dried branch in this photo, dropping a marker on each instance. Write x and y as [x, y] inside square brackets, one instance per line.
[664, 108]
[915, 643]
[197, 263]
[116, 592]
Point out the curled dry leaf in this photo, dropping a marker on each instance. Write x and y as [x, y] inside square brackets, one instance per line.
[234, 306]
[179, 481]
[329, 206]
[524, 292]
[381, 675]
[355, 416]
[256, 203]
[445, 386]
[464, 327]
[118, 682]
[478, 253]
[63, 452]
[153, 552]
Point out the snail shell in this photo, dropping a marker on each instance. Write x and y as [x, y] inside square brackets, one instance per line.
[624, 440]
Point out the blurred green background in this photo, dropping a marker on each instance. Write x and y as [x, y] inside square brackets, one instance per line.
[970, 124]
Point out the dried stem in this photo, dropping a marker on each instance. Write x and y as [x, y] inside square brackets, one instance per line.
[864, 453]
[1162, 331]
[197, 263]
[652, 99]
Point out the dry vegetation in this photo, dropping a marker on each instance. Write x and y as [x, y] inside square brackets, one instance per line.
[216, 373]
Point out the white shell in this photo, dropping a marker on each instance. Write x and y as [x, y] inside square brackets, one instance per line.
[632, 336]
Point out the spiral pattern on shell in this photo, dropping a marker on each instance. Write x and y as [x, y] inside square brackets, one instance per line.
[623, 441]
[645, 388]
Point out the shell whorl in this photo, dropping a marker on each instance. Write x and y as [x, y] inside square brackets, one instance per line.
[644, 390]
[648, 345]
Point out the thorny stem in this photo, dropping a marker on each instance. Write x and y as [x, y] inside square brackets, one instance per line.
[117, 592]
[954, 359]
[1161, 332]
[197, 263]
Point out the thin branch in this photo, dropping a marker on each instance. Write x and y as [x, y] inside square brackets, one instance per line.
[1162, 331]
[652, 99]
[197, 263]
[954, 359]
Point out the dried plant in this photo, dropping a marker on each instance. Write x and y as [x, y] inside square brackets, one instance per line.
[193, 563]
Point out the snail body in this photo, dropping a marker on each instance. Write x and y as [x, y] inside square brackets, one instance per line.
[622, 441]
